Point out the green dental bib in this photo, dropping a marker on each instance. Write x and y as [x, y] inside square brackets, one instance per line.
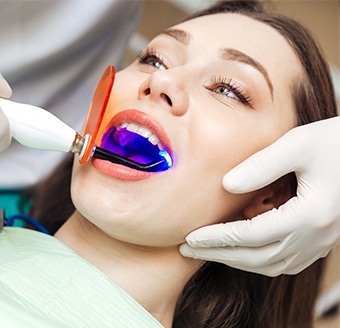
[43, 283]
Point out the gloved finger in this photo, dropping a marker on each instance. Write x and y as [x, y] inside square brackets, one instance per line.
[210, 236]
[293, 268]
[5, 89]
[277, 268]
[289, 265]
[237, 256]
[5, 137]
[257, 260]
[264, 167]
[264, 229]
[274, 269]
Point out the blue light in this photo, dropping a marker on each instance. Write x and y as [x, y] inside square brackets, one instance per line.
[167, 157]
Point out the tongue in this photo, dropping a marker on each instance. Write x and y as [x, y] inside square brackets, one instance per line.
[130, 145]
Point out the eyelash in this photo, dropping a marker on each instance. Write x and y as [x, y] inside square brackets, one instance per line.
[148, 55]
[228, 83]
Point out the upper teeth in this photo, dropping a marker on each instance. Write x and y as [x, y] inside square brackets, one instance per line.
[142, 131]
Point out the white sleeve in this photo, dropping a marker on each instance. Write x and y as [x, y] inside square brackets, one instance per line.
[53, 54]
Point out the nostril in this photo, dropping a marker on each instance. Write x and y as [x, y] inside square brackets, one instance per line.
[167, 99]
[147, 91]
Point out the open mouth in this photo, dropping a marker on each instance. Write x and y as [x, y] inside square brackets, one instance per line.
[135, 146]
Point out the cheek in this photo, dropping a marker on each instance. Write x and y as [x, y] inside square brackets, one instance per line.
[219, 146]
[82, 189]
[92, 193]
[229, 137]
[124, 93]
[126, 86]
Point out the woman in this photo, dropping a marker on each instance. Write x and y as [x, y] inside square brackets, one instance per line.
[209, 90]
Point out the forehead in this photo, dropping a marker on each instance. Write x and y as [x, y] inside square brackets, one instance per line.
[260, 41]
[248, 33]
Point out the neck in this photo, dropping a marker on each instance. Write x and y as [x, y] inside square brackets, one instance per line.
[154, 277]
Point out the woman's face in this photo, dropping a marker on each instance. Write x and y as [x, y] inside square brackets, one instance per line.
[214, 90]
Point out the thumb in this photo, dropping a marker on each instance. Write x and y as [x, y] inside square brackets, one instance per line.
[5, 137]
[264, 167]
[209, 236]
[5, 89]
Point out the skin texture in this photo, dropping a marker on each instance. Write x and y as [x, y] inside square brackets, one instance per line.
[131, 229]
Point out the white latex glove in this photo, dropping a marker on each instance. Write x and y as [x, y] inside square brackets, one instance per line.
[290, 238]
[5, 137]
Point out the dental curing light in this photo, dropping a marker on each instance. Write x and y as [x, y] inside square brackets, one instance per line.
[97, 110]
[122, 146]
[37, 128]
[163, 164]
[93, 122]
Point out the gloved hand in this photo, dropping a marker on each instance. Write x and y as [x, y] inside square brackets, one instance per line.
[290, 238]
[5, 138]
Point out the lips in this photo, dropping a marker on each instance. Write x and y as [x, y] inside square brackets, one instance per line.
[135, 136]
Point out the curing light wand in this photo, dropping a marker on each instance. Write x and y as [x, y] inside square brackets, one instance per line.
[37, 128]
[163, 163]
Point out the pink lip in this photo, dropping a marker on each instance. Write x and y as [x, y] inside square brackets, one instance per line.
[119, 171]
[132, 116]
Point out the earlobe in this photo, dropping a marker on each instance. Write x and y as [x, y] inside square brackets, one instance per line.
[259, 204]
[268, 198]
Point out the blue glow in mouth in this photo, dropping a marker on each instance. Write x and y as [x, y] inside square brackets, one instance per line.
[166, 156]
[136, 149]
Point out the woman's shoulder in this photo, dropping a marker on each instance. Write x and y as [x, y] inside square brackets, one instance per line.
[15, 240]
[49, 279]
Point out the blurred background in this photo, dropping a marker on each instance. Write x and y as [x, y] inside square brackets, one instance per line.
[322, 17]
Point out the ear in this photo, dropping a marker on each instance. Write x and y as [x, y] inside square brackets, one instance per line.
[268, 198]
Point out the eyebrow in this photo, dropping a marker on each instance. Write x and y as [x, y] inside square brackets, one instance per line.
[236, 55]
[180, 35]
[225, 53]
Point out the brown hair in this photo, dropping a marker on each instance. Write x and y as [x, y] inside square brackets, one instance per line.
[218, 296]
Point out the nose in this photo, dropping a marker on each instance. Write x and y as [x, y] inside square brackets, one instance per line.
[167, 89]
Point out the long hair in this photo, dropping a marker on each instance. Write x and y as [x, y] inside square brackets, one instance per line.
[218, 296]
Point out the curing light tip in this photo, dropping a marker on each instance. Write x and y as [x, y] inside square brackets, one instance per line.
[159, 165]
